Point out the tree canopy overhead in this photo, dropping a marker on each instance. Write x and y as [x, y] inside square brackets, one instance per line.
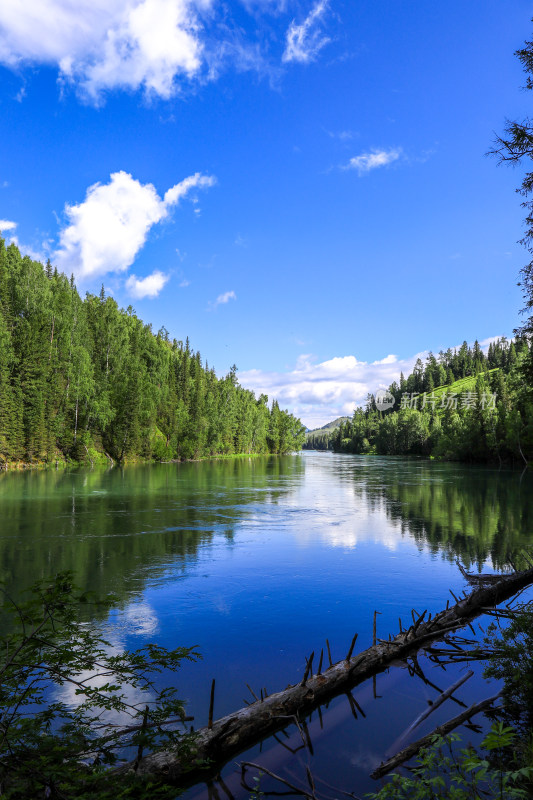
[515, 146]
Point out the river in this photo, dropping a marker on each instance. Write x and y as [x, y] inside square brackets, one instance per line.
[257, 561]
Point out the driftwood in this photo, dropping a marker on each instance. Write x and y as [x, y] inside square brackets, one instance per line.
[309, 791]
[442, 730]
[443, 696]
[242, 729]
[477, 580]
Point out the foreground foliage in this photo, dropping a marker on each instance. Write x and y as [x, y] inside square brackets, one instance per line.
[73, 705]
[443, 774]
[512, 663]
[503, 767]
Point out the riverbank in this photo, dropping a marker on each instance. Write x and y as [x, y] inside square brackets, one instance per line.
[107, 461]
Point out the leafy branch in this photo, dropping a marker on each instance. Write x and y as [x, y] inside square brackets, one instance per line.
[55, 748]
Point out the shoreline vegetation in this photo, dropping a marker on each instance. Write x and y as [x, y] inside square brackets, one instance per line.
[83, 381]
[464, 405]
[21, 466]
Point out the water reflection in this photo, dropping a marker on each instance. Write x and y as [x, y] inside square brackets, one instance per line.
[115, 528]
[258, 561]
[112, 526]
[469, 513]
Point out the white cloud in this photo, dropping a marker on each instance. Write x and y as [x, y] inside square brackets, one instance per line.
[224, 298]
[484, 343]
[106, 231]
[159, 46]
[342, 136]
[305, 41]
[318, 393]
[375, 158]
[196, 181]
[7, 228]
[107, 44]
[146, 287]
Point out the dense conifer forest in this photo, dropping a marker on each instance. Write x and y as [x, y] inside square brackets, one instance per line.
[463, 405]
[84, 380]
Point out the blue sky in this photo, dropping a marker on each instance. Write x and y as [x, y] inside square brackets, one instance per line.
[300, 186]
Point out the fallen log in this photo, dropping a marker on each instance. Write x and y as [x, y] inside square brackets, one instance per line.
[441, 730]
[227, 737]
[435, 704]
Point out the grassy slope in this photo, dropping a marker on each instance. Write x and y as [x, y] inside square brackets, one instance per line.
[462, 385]
[325, 430]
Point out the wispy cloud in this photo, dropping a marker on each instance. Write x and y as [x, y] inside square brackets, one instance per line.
[305, 41]
[150, 286]
[122, 212]
[8, 228]
[222, 299]
[366, 162]
[161, 47]
[342, 136]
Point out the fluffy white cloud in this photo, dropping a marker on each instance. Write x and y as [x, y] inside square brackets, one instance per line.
[106, 231]
[376, 158]
[318, 393]
[7, 225]
[224, 298]
[107, 44]
[305, 41]
[146, 287]
[159, 46]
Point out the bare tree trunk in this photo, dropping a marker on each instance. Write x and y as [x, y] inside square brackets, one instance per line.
[76, 422]
[442, 730]
[520, 448]
[52, 337]
[242, 729]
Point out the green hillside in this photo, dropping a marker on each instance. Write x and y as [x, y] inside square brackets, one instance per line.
[320, 438]
[466, 404]
[330, 426]
[467, 384]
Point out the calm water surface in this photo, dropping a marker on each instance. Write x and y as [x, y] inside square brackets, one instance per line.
[258, 560]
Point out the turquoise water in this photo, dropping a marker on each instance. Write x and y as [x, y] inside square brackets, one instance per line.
[258, 560]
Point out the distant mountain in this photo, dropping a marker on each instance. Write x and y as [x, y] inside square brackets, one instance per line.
[330, 426]
[335, 424]
[319, 438]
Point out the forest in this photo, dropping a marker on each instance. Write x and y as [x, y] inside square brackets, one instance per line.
[464, 405]
[82, 380]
